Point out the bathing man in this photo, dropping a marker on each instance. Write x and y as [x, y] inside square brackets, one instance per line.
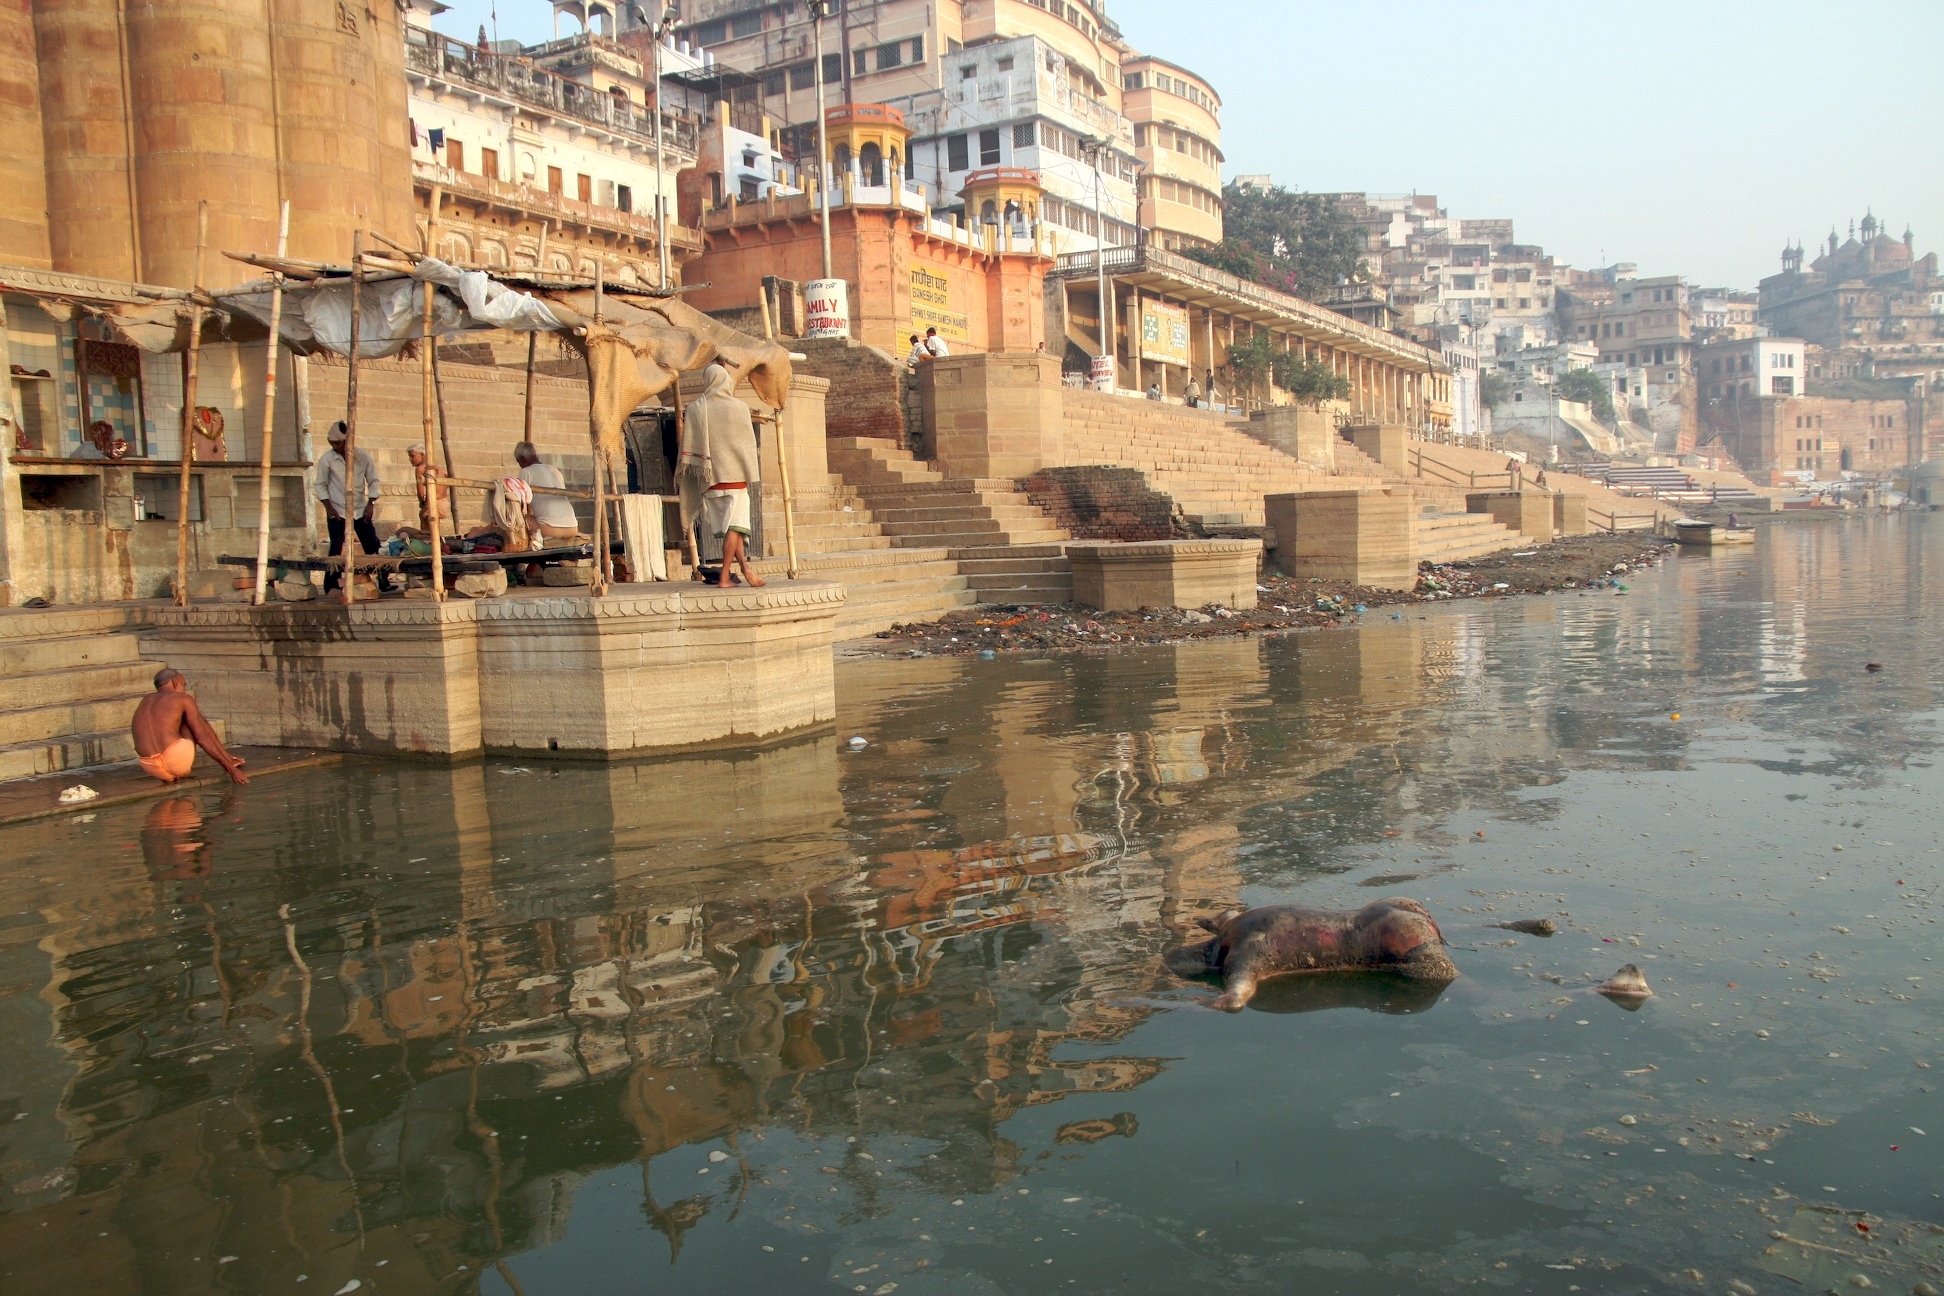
[168, 727]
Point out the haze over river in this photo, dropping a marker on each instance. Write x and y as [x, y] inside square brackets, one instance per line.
[814, 1020]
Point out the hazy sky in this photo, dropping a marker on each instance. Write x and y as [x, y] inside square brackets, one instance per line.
[1693, 138]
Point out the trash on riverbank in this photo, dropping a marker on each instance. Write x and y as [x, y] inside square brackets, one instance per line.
[1577, 563]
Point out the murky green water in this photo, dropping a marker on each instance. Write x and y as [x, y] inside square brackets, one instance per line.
[816, 1021]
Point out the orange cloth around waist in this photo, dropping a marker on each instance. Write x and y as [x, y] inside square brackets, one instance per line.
[172, 762]
[729, 486]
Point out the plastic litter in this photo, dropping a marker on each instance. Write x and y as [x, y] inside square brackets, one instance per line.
[858, 743]
[77, 794]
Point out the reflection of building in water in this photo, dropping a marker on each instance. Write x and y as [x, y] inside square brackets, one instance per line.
[363, 1083]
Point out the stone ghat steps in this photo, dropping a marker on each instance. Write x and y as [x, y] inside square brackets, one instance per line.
[1214, 471]
[1018, 573]
[1442, 496]
[882, 586]
[918, 506]
[1457, 537]
[70, 680]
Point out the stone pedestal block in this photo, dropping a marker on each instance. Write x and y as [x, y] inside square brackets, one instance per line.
[1365, 536]
[1165, 573]
[994, 415]
[391, 678]
[1300, 432]
[1383, 442]
[657, 668]
[1569, 514]
[1529, 512]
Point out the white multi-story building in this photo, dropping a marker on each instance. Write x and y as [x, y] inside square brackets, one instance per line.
[544, 156]
[1013, 103]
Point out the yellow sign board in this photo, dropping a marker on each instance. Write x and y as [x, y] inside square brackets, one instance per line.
[1164, 333]
[931, 306]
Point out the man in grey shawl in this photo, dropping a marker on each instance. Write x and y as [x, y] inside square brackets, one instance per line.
[719, 461]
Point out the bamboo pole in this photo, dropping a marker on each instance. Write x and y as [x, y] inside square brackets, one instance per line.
[432, 343]
[427, 477]
[351, 419]
[526, 422]
[269, 413]
[782, 457]
[189, 367]
[602, 563]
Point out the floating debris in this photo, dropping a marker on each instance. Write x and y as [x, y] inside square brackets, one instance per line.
[1627, 983]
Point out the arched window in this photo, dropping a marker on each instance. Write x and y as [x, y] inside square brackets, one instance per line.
[1013, 213]
[492, 254]
[456, 248]
[988, 214]
[840, 158]
[870, 164]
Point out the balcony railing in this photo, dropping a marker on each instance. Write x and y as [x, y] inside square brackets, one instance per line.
[571, 211]
[516, 79]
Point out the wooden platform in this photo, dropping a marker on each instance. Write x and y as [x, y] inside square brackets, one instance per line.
[124, 782]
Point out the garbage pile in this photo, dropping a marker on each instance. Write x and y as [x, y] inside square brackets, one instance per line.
[1585, 563]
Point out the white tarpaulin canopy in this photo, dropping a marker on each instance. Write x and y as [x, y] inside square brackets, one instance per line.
[317, 315]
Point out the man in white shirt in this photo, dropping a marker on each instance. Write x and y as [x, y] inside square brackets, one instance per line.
[553, 515]
[918, 352]
[361, 503]
[936, 344]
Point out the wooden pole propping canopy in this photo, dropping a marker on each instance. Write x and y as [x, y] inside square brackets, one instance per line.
[603, 562]
[269, 413]
[188, 455]
[351, 411]
[782, 454]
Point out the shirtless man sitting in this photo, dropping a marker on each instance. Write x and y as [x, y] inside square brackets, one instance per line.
[168, 728]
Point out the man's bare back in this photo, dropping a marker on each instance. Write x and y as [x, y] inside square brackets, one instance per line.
[169, 717]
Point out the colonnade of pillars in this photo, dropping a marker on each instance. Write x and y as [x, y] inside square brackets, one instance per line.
[1380, 391]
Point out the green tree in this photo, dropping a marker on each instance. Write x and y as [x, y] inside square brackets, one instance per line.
[1311, 382]
[1494, 389]
[1258, 359]
[1587, 388]
[1301, 243]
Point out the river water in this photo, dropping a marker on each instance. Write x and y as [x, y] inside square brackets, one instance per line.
[815, 1020]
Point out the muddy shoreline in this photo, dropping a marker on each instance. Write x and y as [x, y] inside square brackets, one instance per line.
[1594, 563]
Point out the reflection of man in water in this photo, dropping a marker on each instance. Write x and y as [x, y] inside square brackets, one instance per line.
[172, 845]
[169, 726]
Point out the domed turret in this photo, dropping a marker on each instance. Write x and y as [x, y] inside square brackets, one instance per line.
[1869, 227]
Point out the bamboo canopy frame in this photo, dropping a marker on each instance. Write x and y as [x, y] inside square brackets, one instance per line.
[638, 340]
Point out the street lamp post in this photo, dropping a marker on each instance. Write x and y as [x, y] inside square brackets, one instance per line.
[1097, 143]
[820, 10]
[669, 16]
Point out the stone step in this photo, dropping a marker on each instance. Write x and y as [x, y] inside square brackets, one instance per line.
[62, 622]
[865, 567]
[1009, 511]
[976, 539]
[903, 601]
[26, 656]
[79, 751]
[77, 684]
[33, 724]
[69, 752]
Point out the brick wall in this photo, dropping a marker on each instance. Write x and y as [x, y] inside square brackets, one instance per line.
[867, 388]
[1100, 503]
